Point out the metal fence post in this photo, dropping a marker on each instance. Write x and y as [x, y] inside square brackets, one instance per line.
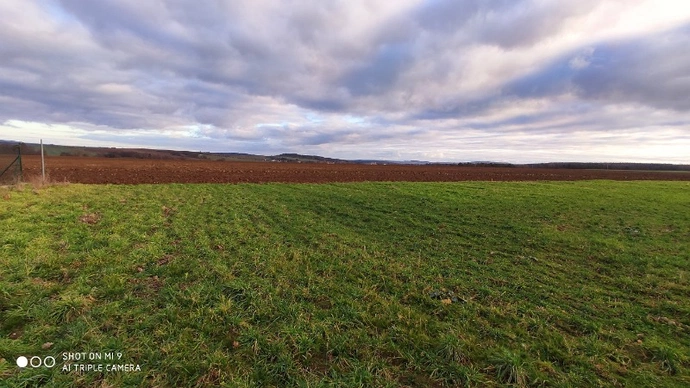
[19, 157]
[43, 165]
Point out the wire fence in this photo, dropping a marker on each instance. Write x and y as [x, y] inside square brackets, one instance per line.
[10, 164]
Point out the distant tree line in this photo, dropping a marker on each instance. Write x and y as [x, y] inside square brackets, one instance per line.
[587, 166]
[487, 164]
[6, 148]
[151, 155]
[614, 166]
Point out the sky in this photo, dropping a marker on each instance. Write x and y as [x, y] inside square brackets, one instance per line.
[441, 80]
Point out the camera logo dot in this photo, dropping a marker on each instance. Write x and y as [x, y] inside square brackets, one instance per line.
[36, 362]
[22, 362]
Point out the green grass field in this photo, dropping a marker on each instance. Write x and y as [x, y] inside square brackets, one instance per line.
[367, 284]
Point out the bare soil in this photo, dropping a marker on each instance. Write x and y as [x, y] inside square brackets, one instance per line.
[136, 171]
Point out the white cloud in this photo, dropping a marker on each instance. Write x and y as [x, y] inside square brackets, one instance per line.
[359, 79]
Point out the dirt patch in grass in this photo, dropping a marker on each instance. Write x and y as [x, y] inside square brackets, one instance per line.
[164, 260]
[323, 302]
[321, 363]
[147, 286]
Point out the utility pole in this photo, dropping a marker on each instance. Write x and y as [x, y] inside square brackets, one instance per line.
[43, 164]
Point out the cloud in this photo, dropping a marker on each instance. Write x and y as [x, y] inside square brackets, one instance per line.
[380, 72]
[505, 23]
[416, 75]
[653, 70]
[650, 70]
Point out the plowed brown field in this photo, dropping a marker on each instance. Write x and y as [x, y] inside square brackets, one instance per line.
[134, 171]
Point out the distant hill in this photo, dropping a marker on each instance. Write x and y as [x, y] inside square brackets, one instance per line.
[305, 159]
[145, 153]
[6, 147]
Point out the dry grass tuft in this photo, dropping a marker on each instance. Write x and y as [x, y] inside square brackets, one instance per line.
[36, 182]
[168, 211]
[90, 218]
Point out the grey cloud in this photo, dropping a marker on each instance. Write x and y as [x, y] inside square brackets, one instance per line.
[526, 23]
[447, 16]
[216, 43]
[292, 136]
[506, 23]
[324, 104]
[650, 70]
[172, 36]
[232, 66]
[552, 80]
[380, 72]
[442, 31]
[113, 21]
[456, 109]
[647, 70]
